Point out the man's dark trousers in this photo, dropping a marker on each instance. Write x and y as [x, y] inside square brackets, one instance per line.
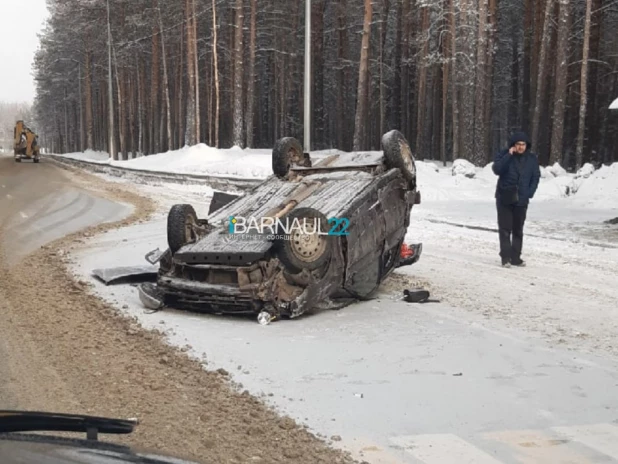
[511, 220]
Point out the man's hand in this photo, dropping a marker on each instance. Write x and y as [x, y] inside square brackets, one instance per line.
[511, 150]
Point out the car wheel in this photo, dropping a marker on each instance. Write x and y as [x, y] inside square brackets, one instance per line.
[286, 153]
[36, 160]
[304, 251]
[398, 155]
[181, 225]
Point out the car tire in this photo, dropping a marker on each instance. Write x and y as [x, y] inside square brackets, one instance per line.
[298, 254]
[180, 226]
[36, 160]
[288, 152]
[398, 155]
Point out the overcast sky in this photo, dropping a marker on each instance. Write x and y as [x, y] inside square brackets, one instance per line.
[20, 22]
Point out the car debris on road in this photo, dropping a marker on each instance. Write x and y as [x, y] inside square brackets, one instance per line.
[417, 295]
[355, 209]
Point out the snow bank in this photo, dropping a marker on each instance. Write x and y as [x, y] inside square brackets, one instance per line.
[556, 170]
[614, 105]
[198, 159]
[585, 171]
[232, 162]
[552, 187]
[600, 189]
[90, 155]
[424, 168]
[462, 167]
[202, 159]
[588, 187]
[456, 182]
[487, 173]
[545, 173]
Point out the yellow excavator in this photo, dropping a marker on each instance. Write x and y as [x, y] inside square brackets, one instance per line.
[25, 144]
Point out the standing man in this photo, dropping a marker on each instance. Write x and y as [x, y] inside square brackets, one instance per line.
[519, 174]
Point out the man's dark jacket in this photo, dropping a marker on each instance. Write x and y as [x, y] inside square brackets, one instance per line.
[506, 166]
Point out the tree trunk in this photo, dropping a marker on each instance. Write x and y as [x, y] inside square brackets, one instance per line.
[166, 84]
[579, 152]
[211, 101]
[537, 7]
[290, 102]
[445, 82]
[406, 119]
[542, 74]
[216, 70]
[395, 120]
[527, 79]
[594, 121]
[88, 86]
[120, 125]
[238, 76]
[435, 140]
[181, 97]
[421, 106]
[140, 107]
[454, 87]
[360, 125]
[466, 80]
[155, 113]
[480, 124]
[383, 30]
[514, 111]
[561, 82]
[486, 136]
[196, 71]
[343, 78]
[131, 105]
[317, 71]
[191, 133]
[250, 112]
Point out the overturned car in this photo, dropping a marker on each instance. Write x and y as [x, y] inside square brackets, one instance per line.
[354, 209]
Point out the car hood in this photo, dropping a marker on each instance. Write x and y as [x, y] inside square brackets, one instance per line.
[31, 448]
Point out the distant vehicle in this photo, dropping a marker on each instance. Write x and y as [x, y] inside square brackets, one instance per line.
[25, 145]
[19, 447]
[207, 268]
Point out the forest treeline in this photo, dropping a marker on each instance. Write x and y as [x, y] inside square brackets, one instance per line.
[455, 76]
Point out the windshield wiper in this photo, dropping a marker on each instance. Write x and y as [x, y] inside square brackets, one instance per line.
[32, 421]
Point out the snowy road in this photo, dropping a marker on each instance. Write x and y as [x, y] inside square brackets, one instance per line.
[512, 366]
[38, 204]
[63, 350]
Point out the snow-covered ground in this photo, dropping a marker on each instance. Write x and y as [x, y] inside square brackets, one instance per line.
[380, 372]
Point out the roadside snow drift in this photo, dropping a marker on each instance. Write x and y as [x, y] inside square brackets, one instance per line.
[198, 159]
[457, 181]
[462, 167]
